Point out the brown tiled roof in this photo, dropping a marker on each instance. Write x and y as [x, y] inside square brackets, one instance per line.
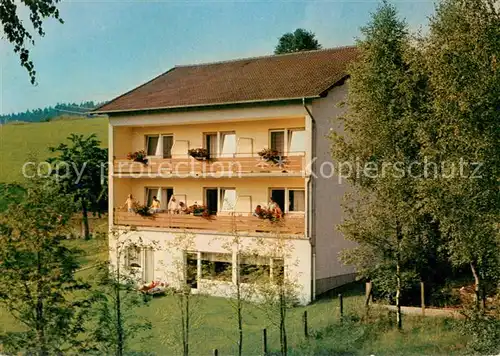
[270, 78]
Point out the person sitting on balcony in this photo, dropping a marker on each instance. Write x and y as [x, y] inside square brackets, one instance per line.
[155, 205]
[275, 208]
[173, 207]
[258, 211]
[183, 209]
[130, 203]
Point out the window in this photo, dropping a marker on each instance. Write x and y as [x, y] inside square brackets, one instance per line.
[228, 199]
[293, 200]
[152, 145]
[211, 144]
[296, 200]
[159, 145]
[277, 139]
[297, 142]
[133, 256]
[228, 144]
[168, 142]
[216, 266]
[253, 268]
[150, 193]
[192, 269]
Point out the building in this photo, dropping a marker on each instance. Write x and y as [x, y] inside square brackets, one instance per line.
[233, 109]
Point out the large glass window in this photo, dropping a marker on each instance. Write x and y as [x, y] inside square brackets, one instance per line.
[168, 142]
[297, 142]
[133, 256]
[211, 144]
[296, 200]
[216, 266]
[278, 141]
[152, 145]
[253, 268]
[228, 144]
[228, 199]
[150, 193]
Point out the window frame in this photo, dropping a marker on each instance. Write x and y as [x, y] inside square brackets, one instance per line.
[286, 208]
[159, 148]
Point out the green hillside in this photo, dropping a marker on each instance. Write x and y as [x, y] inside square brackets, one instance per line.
[20, 143]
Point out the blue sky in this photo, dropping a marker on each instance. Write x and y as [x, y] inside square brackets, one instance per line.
[105, 48]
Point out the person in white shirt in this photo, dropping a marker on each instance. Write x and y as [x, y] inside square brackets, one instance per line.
[173, 207]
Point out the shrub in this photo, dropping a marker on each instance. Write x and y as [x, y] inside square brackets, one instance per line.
[138, 156]
[199, 153]
[143, 210]
[270, 155]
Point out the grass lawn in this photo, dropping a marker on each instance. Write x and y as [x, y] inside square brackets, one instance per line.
[30, 141]
[215, 325]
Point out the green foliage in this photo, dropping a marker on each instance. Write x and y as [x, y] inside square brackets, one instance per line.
[299, 40]
[461, 54]
[398, 241]
[115, 331]
[15, 31]
[483, 330]
[81, 172]
[37, 284]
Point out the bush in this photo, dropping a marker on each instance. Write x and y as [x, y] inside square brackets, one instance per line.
[483, 330]
[138, 156]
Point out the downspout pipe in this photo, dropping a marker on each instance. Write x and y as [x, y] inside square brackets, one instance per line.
[310, 215]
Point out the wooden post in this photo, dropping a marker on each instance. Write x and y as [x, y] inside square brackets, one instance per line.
[304, 319]
[422, 296]
[368, 293]
[216, 352]
[341, 301]
[264, 342]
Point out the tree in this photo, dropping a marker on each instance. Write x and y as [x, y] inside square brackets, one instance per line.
[117, 299]
[182, 274]
[38, 286]
[80, 170]
[17, 34]
[299, 40]
[386, 101]
[462, 57]
[276, 287]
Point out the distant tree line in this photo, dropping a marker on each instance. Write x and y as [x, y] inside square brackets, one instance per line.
[50, 112]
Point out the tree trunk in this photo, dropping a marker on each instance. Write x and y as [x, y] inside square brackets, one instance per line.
[119, 323]
[240, 319]
[422, 296]
[398, 277]
[477, 284]
[186, 349]
[40, 322]
[283, 340]
[85, 221]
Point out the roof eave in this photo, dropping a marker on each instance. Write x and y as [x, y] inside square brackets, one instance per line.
[198, 106]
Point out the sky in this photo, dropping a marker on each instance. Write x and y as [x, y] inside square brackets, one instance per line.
[105, 48]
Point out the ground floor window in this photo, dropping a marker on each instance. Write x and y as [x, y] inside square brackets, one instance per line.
[253, 268]
[216, 266]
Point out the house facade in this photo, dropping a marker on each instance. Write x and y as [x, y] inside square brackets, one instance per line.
[229, 113]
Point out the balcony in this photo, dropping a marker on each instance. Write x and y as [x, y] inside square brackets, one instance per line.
[238, 165]
[292, 224]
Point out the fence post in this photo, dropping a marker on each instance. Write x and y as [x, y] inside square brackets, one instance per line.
[422, 297]
[341, 301]
[216, 352]
[368, 293]
[264, 342]
[304, 319]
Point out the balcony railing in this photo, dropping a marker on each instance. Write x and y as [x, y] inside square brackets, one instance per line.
[289, 225]
[224, 166]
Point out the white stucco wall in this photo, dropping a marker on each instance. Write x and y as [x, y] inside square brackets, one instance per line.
[170, 247]
[328, 195]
